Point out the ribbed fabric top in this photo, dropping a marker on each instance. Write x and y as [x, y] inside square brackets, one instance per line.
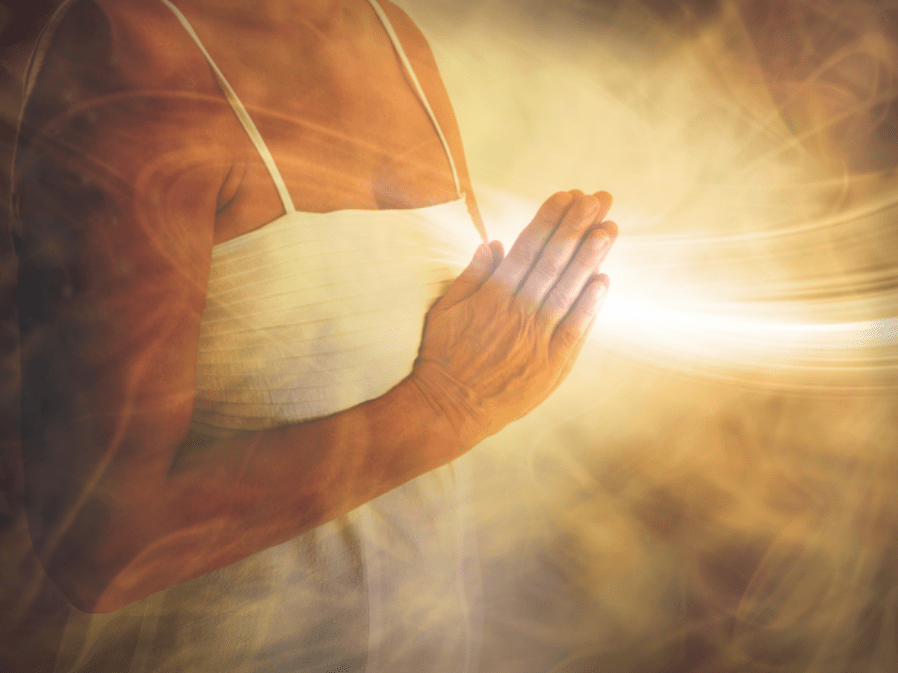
[315, 313]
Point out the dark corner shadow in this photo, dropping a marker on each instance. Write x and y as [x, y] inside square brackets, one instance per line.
[32, 611]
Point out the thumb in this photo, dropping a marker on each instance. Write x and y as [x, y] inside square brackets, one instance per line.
[472, 278]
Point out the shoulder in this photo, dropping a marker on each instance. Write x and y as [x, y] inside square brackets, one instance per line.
[421, 57]
[414, 43]
[100, 48]
[120, 86]
[102, 142]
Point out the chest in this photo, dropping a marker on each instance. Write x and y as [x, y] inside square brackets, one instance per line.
[345, 129]
[371, 150]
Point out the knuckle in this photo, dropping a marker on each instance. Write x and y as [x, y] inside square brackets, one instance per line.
[536, 286]
[491, 292]
[550, 266]
[566, 336]
[524, 251]
[596, 241]
[502, 282]
[529, 249]
[556, 303]
[511, 308]
[520, 310]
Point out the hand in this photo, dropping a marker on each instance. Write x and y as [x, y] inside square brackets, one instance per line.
[509, 328]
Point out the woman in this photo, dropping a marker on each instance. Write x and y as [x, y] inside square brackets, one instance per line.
[233, 219]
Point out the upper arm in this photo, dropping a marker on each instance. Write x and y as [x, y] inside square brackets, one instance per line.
[115, 223]
[421, 57]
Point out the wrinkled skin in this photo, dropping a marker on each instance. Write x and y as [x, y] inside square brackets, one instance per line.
[508, 330]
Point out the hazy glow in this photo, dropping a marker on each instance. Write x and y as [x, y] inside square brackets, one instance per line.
[671, 313]
[746, 250]
[713, 487]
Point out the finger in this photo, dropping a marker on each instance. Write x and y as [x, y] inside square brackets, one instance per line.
[527, 247]
[560, 249]
[582, 268]
[610, 227]
[605, 200]
[472, 278]
[573, 329]
[571, 356]
[498, 253]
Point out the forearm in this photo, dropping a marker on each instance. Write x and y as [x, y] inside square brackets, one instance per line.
[229, 499]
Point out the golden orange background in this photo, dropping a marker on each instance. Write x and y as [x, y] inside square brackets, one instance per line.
[714, 488]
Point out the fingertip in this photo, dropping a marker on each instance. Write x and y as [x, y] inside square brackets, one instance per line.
[605, 201]
[610, 227]
[494, 254]
[593, 294]
[604, 197]
[561, 200]
[584, 211]
[497, 249]
[482, 257]
[552, 211]
[602, 282]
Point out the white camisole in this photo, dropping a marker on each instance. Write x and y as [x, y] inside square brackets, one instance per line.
[306, 316]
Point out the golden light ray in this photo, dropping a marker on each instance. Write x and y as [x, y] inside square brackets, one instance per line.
[746, 251]
[709, 491]
[713, 488]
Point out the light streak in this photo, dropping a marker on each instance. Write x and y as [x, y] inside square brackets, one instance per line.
[663, 309]
[748, 250]
[744, 340]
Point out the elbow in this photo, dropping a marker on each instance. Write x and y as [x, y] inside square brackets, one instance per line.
[86, 585]
[107, 571]
[90, 591]
[92, 602]
[82, 591]
[89, 579]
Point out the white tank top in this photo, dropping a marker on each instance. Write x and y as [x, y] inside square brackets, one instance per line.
[306, 316]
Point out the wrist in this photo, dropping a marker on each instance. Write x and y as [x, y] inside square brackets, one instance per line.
[447, 404]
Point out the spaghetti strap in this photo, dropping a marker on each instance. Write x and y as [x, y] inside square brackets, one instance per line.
[41, 48]
[256, 137]
[239, 109]
[35, 61]
[397, 45]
